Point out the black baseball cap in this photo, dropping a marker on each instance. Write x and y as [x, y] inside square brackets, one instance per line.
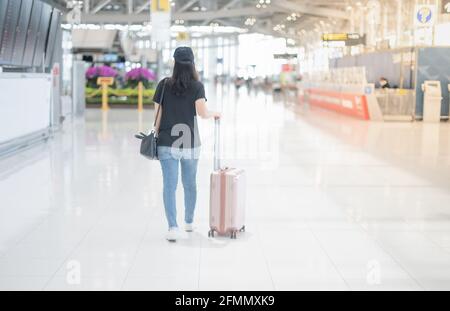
[183, 55]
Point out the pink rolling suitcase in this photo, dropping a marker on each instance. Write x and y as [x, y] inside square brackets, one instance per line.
[227, 196]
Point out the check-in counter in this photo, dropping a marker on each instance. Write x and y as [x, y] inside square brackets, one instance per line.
[396, 104]
[25, 109]
[360, 101]
[355, 100]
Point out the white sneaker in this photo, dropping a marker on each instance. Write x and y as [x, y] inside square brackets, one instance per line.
[173, 234]
[189, 227]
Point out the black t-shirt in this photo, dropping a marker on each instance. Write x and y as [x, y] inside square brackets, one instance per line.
[178, 127]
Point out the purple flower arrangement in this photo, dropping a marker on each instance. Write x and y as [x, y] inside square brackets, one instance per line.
[144, 75]
[92, 73]
[100, 71]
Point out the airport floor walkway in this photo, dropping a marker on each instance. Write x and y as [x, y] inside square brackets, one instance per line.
[332, 203]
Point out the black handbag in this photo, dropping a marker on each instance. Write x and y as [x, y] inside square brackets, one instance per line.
[149, 143]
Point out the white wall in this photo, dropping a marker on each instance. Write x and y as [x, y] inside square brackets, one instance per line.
[442, 34]
[25, 101]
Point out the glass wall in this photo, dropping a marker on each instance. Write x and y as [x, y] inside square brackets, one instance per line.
[215, 55]
[256, 55]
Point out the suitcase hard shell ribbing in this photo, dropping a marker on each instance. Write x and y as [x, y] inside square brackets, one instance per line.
[227, 196]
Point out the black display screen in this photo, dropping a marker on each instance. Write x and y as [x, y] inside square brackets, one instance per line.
[9, 31]
[21, 32]
[3, 6]
[32, 33]
[44, 25]
[54, 26]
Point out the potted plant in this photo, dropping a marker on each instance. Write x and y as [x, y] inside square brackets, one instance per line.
[144, 75]
[92, 73]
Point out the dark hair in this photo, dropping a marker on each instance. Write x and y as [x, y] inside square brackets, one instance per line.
[182, 77]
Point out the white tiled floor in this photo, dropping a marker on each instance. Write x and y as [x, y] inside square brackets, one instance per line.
[333, 204]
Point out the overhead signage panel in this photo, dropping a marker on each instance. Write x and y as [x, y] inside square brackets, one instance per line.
[285, 56]
[3, 10]
[348, 38]
[160, 6]
[335, 37]
[160, 19]
[21, 32]
[424, 15]
[44, 24]
[33, 25]
[445, 7]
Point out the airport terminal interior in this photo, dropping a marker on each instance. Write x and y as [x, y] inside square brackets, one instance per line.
[336, 110]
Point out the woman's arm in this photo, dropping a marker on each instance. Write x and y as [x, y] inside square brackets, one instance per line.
[203, 112]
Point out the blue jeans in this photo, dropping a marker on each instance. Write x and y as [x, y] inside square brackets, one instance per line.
[169, 159]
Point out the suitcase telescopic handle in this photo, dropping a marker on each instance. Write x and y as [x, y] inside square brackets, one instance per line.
[217, 144]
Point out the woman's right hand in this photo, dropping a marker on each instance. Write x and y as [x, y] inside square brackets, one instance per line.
[217, 115]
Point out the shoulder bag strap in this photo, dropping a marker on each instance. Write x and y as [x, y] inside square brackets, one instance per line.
[161, 101]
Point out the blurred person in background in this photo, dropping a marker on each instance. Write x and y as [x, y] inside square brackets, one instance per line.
[384, 83]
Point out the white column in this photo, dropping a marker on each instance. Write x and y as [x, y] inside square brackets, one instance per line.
[362, 24]
[212, 58]
[229, 42]
[206, 58]
[399, 23]
[385, 13]
[352, 20]
[130, 7]
[236, 55]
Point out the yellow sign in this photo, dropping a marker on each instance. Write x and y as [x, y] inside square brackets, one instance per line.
[105, 80]
[160, 5]
[335, 37]
[182, 36]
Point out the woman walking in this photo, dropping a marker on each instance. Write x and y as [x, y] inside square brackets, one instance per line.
[180, 99]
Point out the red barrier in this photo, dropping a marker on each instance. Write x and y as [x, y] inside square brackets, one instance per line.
[354, 105]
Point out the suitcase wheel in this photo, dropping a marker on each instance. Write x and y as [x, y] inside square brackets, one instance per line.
[211, 233]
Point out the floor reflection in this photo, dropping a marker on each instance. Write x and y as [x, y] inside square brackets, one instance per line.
[347, 192]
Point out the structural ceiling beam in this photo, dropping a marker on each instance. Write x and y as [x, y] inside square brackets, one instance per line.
[187, 16]
[100, 6]
[290, 7]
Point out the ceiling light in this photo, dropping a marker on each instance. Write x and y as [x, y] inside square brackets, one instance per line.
[250, 21]
[290, 41]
